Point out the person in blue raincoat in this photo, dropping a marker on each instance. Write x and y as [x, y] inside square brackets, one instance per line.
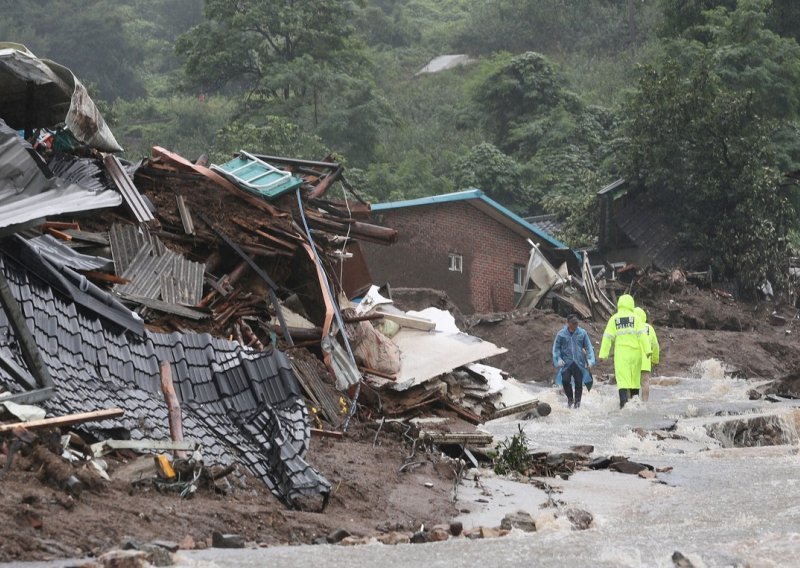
[573, 355]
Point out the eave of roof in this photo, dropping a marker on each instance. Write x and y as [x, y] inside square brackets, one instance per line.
[491, 207]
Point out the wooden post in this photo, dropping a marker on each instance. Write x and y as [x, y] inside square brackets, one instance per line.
[30, 351]
[173, 407]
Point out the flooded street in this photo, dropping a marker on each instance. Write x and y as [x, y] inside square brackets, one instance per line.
[719, 506]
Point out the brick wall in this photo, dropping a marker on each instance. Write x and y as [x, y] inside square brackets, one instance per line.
[427, 234]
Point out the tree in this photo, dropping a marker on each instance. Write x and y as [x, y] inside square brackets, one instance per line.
[272, 48]
[701, 152]
[522, 88]
[90, 37]
[487, 168]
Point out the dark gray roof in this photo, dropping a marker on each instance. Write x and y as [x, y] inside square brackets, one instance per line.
[656, 237]
[550, 224]
[238, 404]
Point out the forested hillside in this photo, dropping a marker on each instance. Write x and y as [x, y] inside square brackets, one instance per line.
[695, 101]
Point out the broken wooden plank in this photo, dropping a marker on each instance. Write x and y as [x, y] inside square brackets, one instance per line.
[67, 420]
[186, 216]
[405, 320]
[28, 347]
[173, 407]
[461, 438]
[325, 433]
[106, 446]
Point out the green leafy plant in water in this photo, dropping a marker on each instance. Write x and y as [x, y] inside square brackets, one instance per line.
[512, 454]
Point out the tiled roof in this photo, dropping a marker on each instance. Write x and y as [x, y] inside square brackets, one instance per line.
[238, 404]
[656, 238]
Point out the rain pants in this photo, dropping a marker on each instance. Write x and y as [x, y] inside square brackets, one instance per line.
[625, 333]
[647, 363]
[569, 348]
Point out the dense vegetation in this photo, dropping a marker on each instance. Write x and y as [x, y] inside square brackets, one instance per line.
[695, 102]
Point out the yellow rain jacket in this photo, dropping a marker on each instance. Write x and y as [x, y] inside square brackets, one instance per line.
[650, 333]
[625, 333]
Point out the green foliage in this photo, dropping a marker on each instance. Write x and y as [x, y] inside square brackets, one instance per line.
[523, 87]
[554, 26]
[702, 152]
[271, 135]
[512, 454]
[487, 168]
[187, 125]
[88, 36]
[271, 47]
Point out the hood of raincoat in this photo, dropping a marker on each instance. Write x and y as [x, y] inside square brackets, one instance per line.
[625, 303]
[640, 313]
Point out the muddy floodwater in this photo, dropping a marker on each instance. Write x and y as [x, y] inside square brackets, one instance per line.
[726, 502]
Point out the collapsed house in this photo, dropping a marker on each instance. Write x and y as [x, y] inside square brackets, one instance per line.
[230, 302]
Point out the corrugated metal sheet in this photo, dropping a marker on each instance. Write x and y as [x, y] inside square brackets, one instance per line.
[83, 171]
[184, 283]
[59, 253]
[238, 404]
[133, 198]
[155, 272]
[29, 192]
[144, 273]
[127, 240]
[57, 95]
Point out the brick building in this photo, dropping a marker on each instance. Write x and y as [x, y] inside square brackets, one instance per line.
[463, 243]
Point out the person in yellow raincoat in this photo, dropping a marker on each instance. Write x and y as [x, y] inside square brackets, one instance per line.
[625, 333]
[648, 362]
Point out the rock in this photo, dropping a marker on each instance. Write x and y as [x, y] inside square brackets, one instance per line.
[157, 556]
[629, 467]
[219, 540]
[580, 519]
[353, 540]
[187, 543]
[776, 319]
[647, 474]
[681, 561]
[439, 534]
[543, 409]
[130, 543]
[166, 544]
[519, 520]
[753, 394]
[420, 537]
[473, 533]
[599, 463]
[456, 528]
[583, 450]
[123, 559]
[394, 538]
[320, 540]
[338, 535]
[490, 532]
[665, 469]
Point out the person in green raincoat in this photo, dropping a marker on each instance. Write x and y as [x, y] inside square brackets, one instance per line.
[625, 333]
[648, 362]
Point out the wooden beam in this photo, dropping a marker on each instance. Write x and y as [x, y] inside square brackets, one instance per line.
[30, 351]
[408, 321]
[67, 420]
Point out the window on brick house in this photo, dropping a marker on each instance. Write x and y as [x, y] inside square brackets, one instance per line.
[519, 278]
[456, 262]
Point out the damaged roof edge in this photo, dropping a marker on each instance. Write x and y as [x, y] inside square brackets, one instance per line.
[470, 194]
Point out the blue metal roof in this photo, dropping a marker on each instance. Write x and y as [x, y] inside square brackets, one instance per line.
[468, 195]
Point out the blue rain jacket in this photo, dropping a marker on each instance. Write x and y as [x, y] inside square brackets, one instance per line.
[569, 348]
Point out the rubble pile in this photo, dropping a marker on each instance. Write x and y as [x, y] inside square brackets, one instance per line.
[212, 315]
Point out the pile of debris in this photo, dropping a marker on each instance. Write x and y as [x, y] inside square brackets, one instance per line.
[228, 302]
